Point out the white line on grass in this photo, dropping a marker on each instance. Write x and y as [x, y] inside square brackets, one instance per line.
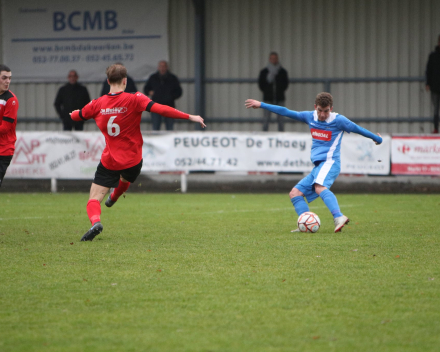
[272, 209]
[29, 218]
[206, 212]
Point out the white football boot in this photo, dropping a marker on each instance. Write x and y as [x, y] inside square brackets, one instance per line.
[340, 222]
[297, 230]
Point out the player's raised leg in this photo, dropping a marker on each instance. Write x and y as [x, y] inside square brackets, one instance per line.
[117, 192]
[331, 202]
[97, 194]
[126, 177]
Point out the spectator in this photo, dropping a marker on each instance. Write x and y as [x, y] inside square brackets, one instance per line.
[433, 81]
[71, 96]
[163, 87]
[131, 86]
[273, 82]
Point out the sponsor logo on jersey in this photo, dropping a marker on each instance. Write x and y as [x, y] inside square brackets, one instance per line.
[322, 135]
[109, 111]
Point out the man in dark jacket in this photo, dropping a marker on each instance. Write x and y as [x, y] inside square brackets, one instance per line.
[433, 82]
[273, 82]
[163, 87]
[71, 96]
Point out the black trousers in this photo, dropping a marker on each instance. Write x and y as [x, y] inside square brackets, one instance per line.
[69, 124]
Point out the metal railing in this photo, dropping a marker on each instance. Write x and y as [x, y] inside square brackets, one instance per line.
[327, 82]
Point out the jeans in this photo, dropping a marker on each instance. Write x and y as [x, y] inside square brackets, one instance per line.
[266, 117]
[435, 97]
[156, 121]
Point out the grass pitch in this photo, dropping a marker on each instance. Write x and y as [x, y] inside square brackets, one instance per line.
[205, 272]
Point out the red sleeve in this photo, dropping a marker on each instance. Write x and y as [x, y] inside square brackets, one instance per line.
[142, 101]
[10, 115]
[146, 104]
[86, 113]
[167, 111]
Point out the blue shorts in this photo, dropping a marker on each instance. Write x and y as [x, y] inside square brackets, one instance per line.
[324, 174]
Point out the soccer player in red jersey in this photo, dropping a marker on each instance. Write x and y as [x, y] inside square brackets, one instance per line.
[118, 116]
[8, 120]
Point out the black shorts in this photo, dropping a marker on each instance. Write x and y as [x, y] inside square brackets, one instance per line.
[5, 160]
[110, 178]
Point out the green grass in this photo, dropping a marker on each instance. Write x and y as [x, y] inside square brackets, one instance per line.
[223, 272]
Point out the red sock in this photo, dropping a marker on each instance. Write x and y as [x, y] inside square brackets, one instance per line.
[94, 210]
[120, 190]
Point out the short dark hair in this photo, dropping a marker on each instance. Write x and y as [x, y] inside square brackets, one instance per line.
[4, 68]
[273, 53]
[116, 73]
[324, 99]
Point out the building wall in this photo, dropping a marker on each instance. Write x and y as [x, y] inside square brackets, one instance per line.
[325, 38]
[314, 38]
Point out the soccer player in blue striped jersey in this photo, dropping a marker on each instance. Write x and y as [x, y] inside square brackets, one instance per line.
[327, 129]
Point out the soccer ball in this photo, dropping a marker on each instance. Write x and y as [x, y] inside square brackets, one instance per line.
[309, 222]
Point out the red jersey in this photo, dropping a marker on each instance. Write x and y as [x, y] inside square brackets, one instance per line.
[8, 122]
[118, 116]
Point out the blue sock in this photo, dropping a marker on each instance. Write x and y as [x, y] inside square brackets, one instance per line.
[331, 202]
[300, 205]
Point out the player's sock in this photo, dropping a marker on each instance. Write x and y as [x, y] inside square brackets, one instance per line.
[331, 202]
[94, 210]
[120, 190]
[300, 204]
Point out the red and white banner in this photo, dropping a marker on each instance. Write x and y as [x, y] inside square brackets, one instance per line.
[68, 155]
[415, 155]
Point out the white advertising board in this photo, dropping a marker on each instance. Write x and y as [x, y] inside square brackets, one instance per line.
[228, 151]
[415, 155]
[75, 155]
[360, 155]
[44, 39]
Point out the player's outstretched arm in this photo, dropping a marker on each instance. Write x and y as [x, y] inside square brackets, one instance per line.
[74, 115]
[252, 103]
[168, 111]
[377, 143]
[349, 126]
[197, 118]
[280, 110]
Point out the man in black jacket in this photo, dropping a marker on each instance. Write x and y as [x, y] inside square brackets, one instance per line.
[433, 82]
[71, 96]
[163, 87]
[273, 82]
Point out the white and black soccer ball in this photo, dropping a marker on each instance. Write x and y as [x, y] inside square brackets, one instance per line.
[309, 222]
